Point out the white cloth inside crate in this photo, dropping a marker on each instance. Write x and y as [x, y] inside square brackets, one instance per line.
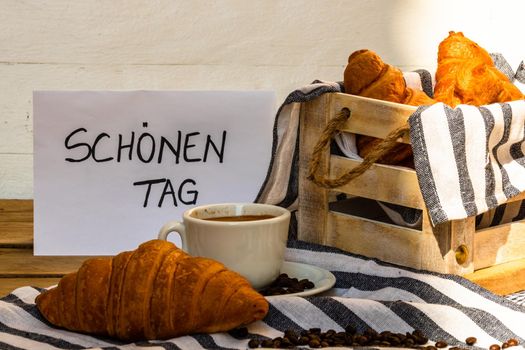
[280, 186]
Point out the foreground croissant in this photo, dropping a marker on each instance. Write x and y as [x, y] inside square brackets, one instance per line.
[154, 292]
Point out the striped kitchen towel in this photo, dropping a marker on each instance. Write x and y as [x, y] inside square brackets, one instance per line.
[367, 294]
[468, 159]
[504, 154]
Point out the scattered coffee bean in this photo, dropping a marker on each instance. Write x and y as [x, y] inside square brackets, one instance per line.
[314, 343]
[315, 330]
[239, 333]
[267, 343]
[316, 338]
[513, 342]
[303, 340]
[494, 347]
[471, 340]
[254, 343]
[441, 344]
[505, 345]
[287, 285]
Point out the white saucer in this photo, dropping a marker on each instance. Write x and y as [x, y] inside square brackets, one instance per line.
[321, 278]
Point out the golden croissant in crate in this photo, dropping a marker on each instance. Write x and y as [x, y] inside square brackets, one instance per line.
[154, 292]
[466, 74]
[367, 75]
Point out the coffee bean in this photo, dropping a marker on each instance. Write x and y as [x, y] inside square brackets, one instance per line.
[421, 340]
[408, 342]
[395, 341]
[290, 334]
[341, 335]
[430, 347]
[254, 343]
[286, 342]
[371, 333]
[314, 343]
[513, 342]
[494, 347]
[303, 340]
[315, 330]
[267, 343]
[361, 339]
[471, 340]
[325, 344]
[284, 284]
[314, 337]
[239, 333]
[441, 344]
[505, 345]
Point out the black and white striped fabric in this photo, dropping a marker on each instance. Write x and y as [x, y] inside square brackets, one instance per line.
[468, 159]
[367, 294]
[445, 189]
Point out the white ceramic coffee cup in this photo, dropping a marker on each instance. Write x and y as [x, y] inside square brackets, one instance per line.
[254, 249]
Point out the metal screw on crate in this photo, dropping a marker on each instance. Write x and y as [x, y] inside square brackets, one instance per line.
[248, 238]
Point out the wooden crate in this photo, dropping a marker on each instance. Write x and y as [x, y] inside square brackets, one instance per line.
[454, 247]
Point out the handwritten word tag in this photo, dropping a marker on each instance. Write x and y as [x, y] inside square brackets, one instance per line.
[110, 168]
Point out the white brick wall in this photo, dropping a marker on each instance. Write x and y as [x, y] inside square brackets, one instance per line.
[199, 44]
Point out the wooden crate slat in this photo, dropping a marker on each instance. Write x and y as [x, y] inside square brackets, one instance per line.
[313, 207]
[499, 244]
[390, 243]
[373, 117]
[382, 182]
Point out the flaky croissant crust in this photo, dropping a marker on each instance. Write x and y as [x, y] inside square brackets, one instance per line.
[154, 292]
[466, 74]
[367, 75]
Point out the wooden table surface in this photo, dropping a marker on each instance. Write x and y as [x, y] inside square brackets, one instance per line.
[19, 267]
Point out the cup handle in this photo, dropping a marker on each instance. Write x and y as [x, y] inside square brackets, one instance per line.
[173, 226]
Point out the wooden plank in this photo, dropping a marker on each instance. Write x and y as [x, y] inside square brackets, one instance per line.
[373, 117]
[381, 182]
[21, 262]
[499, 244]
[14, 210]
[16, 234]
[390, 243]
[7, 285]
[501, 279]
[16, 223]
[312, 199]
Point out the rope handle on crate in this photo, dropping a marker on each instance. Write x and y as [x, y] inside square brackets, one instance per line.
[332, 128]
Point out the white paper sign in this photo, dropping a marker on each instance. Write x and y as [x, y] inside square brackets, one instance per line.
[111, 168]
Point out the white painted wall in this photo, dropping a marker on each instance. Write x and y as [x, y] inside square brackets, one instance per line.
[204, 44]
